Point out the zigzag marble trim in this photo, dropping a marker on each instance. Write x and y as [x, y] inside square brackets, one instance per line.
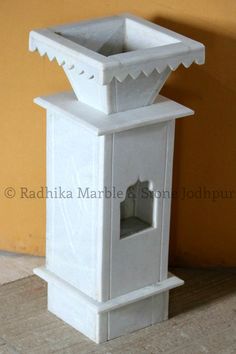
[103, 69]
[65, 60]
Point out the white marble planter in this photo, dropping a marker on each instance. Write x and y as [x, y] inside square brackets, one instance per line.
[107, 257]
[116, 63]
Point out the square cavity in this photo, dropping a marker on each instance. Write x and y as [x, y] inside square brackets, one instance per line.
[136, 211]
[115, 36]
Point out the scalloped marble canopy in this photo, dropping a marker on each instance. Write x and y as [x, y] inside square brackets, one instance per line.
[116, 50]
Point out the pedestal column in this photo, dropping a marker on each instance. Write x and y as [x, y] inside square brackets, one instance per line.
[107, 254]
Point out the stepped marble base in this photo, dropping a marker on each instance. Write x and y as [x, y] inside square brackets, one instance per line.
[102, 321]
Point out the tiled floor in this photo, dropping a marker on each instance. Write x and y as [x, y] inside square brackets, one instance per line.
[202, 316]
[202, 320]
[16, 266]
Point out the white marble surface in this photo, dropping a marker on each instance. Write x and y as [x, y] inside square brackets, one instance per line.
[101, 321]
[145, 47]
[84, 248]
[112, 133]
[98, 123]
[116, 63]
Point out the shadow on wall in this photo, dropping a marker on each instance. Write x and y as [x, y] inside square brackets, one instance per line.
[204, 150]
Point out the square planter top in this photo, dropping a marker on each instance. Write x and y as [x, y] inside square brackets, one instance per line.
[115, 47]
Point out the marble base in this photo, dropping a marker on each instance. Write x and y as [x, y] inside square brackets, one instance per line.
[102, 321]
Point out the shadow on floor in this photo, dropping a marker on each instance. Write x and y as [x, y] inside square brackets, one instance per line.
[201, 287]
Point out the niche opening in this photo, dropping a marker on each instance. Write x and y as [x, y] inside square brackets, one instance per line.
[136, 211]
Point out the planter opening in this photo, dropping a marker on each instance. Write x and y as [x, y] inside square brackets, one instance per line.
[117, 36]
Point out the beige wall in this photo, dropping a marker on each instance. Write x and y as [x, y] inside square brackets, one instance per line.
[202, 232]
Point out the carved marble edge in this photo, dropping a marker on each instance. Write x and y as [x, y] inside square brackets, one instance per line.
[99, 123]
[103, 69]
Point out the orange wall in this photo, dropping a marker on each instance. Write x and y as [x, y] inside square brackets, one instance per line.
[202, 231]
